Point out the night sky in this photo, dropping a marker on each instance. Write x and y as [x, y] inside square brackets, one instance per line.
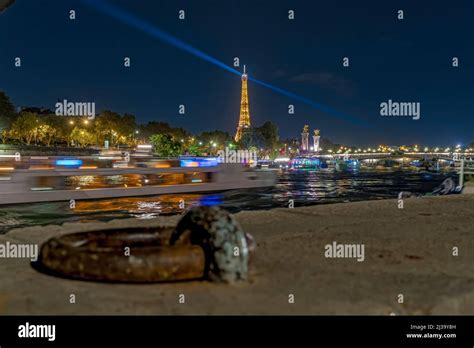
[408, 61]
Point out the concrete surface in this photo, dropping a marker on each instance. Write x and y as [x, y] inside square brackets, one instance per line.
[408, 251]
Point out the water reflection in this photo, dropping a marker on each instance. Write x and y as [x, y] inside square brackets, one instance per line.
[304, 188]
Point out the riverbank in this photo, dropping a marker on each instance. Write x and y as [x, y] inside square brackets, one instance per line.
[408, 252]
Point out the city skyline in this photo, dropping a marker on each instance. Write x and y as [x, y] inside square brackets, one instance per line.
[162, 77]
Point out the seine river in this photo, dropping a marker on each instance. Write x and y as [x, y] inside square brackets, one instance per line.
[304, 188]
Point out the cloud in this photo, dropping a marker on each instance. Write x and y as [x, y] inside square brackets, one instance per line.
[326, 80]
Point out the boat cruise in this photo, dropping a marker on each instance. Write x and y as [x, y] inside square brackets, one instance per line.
[48, 179]
[305, 163]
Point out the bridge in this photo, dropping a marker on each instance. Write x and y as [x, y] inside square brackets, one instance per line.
[397, 156]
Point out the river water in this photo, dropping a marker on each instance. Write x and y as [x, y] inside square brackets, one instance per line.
[304, 188]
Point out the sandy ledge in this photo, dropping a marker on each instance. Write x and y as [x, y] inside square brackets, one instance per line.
[407, 251]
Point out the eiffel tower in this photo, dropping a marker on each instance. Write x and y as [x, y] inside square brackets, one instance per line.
[244, 118]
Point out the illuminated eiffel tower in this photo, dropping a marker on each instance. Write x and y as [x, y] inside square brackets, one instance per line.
[244, 118]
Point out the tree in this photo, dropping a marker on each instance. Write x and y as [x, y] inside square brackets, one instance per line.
[107, 126]
[7, 111]
[63, 128]
[115, 128]
[25, 127]
[165, 145]
[82, 136]
[252, 138]
[195, 149]
[50, 129]
[269, 133]
[154, 127]
[127, 127]
[222, 139]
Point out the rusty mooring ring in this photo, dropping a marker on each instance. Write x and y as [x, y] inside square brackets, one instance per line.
[207, 243]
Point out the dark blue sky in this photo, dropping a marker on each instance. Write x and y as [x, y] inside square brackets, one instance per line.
[407, 60]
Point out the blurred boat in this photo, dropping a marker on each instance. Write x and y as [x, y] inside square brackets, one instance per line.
[72, 179]
[305, 163]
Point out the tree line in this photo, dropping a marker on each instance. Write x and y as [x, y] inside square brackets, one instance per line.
[34, 126]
